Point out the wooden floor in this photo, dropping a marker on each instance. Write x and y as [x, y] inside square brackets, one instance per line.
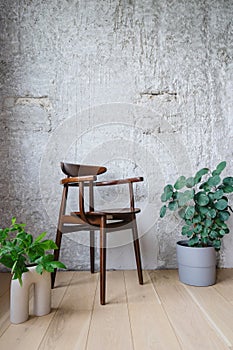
[162, 314]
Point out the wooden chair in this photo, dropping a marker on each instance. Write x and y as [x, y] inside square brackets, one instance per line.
[105, 221]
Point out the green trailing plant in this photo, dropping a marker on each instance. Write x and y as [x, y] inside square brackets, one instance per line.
[202, 202]
[18, 250]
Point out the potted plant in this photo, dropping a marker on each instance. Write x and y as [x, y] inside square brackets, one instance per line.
[202, 203]
[30, 263]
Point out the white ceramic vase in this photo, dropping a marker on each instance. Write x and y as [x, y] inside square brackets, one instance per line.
[19, 296]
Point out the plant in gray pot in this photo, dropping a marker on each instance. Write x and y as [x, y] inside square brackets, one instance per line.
[202, 202]
[31, 264]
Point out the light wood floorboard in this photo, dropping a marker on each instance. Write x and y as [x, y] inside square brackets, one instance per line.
[110, 326]
[163, 314]
[224, 283]
[69, 328]
[189, 322]
[5, 279]
[151, 328]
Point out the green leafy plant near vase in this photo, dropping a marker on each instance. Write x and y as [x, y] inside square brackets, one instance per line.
[202, 203]
[18, 250]
[31, 263]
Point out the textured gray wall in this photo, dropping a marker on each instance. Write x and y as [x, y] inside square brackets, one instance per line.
[144, 87]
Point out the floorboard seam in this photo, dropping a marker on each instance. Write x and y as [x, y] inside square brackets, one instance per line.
[92, 311]
[164, 310]
[209, 319]
[127, 303]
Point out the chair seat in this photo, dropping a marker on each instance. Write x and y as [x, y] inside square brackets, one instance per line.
[115, 213]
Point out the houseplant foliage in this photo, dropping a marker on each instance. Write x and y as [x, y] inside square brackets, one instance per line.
[18, 250]
[202, 202]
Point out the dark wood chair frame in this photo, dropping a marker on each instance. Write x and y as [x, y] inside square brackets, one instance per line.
[105, 221]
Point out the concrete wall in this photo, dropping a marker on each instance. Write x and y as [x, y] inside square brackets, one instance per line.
[143, 87]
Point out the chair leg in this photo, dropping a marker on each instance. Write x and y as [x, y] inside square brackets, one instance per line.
[92, 250]
[102, 260]
[59, 231]
[137, 250]
[56, 256]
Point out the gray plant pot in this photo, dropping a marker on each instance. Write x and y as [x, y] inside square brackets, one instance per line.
[196, 266]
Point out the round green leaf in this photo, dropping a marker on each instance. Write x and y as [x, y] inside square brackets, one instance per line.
[228, 181]
[185, 197]
[199, 175]
[204, 241]
[180, 183]
[173, 205]
[204, 233]
[214, 180]
[221, 204]
[168, 188]
[221, 224]
[211, 196]
[208, 223]
[227, 188]
[193, 241]
[212, 213]
[185, 230]
[222, 233]
[201, 199]
[167, 193]
[189, 233]
[202, 210]
[224, 215]
[190, 182]
[216, 244]
[213, 234]
[164, 197]
[188, 222]
[181, 213]
[163, 211]
[197, 218]
[189, 213]
[198, 228]
[218, 194]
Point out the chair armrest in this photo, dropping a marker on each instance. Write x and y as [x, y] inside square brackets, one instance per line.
[119, 182]
[71, 180]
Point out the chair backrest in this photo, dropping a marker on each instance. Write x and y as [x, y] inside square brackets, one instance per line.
[74, 170]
